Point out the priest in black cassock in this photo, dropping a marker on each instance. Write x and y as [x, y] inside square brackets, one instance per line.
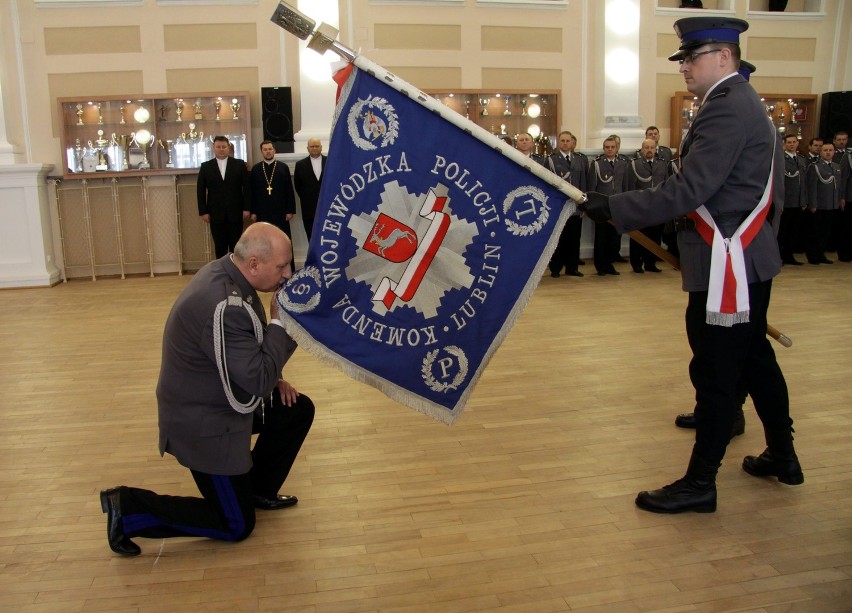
[272, 198]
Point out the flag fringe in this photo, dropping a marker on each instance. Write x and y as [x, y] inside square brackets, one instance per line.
[727, 319]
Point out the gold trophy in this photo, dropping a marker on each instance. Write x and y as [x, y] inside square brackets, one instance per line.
[506, 110]
[179, 110]
[167, 147]
[100, 114]
[121, 109]
[124, 143]
[143, 139]
[218, 106]
[794, 108]
[100, 146]
[235, 106]
[484, 102]
[198, 113]
[80, 114]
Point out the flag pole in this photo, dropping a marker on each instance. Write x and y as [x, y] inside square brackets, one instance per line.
[322, 39]
[674, 262]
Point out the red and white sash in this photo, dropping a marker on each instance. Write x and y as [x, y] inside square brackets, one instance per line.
[727, 294]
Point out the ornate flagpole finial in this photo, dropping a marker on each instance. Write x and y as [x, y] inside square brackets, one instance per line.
[322, 38]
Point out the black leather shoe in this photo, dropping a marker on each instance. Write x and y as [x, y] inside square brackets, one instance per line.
[612, 271]
[778, 460]
[768, 464]
[687, 420]
[621, 260]
[695, 491]
[555, 275]
[271, 504]
[637, 269]
[652, 269]
[118, 542]
[575, 273]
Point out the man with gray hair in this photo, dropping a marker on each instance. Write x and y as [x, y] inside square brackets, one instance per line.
[220, 382]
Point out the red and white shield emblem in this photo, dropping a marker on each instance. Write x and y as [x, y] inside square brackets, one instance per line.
[391, 239]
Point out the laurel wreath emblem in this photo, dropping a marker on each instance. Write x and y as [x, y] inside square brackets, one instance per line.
[433, 383]
[283, 297]
[526, 230]
[386, 110]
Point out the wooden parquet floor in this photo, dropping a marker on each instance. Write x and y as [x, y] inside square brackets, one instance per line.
[526, 504]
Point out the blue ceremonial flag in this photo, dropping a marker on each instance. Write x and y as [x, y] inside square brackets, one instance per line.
[427, 244]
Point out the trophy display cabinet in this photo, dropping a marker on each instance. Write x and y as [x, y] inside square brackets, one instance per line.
[126, 200]
[790, 113]
[148, 135]
[507, 113]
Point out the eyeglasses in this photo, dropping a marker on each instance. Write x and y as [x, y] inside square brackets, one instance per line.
[691, 57]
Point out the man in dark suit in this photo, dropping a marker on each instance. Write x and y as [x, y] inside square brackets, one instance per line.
[223, 196]
[572, 167]
[731, 167]
[307, 178]
[220, 383]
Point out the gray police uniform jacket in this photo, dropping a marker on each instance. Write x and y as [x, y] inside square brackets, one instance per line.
[197, 424]
[795, 168]
[607, 178]
[641, 175]
[725, 164]
[823, 183]
[574, 171]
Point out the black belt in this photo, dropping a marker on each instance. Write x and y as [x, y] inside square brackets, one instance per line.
[679, 224]
[682, 224]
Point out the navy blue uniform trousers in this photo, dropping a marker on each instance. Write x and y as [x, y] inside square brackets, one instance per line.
[226, 509]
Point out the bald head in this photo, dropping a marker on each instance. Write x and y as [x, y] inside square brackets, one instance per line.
[314, 147]
[649, 148]
[263, 254]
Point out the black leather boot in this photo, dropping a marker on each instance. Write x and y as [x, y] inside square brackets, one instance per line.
[687, 420]
[695, 491]
[778, 460]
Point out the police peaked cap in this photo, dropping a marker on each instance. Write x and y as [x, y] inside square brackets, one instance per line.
[746, 68]
[696, 32]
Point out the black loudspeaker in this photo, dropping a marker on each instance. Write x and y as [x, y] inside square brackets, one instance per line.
[277, 106]
[835, 114]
